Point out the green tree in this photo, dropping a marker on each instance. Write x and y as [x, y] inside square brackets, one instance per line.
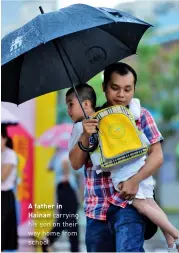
[158, 79]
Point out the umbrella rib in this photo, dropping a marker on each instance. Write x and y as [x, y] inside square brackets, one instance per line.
[19, 79]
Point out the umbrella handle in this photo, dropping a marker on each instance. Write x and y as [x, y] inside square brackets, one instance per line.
[94, 146]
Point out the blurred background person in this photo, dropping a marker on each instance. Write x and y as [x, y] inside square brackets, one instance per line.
[67, 196]
[9, 237]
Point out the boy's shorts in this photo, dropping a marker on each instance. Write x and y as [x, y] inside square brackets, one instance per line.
[146, 189]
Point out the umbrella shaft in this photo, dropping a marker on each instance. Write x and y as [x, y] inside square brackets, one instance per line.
[56, 46]
[86, 116]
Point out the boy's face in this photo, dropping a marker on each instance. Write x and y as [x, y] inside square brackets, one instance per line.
[74, 109]
[120, 89]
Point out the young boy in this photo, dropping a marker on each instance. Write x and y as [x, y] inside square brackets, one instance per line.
[144, 203]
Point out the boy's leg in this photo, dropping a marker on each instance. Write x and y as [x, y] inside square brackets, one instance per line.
[129, 228]
[155, 213]
[168, 237]
[98, 236]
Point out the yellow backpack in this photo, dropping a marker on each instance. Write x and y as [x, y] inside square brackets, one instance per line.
[119, 137]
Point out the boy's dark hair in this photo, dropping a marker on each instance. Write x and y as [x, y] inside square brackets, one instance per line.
[85, 92]
[120, 68]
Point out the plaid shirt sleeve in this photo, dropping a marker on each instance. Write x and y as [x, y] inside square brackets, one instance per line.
[149, 127]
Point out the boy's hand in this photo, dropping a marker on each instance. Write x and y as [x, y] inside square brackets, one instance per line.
[89, 126]
[129, 189]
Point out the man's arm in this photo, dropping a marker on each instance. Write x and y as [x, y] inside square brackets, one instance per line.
[152, 164]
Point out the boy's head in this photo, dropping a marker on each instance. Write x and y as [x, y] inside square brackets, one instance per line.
[87, 97]
[119, 83]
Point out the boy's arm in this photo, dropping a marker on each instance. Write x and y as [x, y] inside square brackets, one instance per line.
[77, 156]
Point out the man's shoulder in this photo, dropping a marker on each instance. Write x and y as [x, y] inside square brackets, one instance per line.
[146, 119]
[145, 112]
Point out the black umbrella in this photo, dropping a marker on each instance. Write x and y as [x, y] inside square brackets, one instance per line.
[64, 48]
[61, 49]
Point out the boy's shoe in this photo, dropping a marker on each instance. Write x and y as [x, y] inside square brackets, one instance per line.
[172, 250]
[177, 244]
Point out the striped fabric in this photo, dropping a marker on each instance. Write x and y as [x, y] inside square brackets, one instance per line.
[99, 190]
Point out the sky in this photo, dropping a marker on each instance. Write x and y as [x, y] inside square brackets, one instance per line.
[15, 13]
[99, 3]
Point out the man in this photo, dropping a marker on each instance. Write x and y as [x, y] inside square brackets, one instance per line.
[111, 224]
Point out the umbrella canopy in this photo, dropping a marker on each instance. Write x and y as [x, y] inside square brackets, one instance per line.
[7, 117]
[57, 136]
[66, 47]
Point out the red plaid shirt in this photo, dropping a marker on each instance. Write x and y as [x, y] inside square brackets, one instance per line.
[99, 190]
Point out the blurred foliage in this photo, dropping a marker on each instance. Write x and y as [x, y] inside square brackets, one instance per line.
[96, 83]
[168, 109]
[158, 78]
[62, 114]
[158, 82]
[157, 87]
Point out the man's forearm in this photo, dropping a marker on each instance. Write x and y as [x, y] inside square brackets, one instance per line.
[152, 164]
[77, 156]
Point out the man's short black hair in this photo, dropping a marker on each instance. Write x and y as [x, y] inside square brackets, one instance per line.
[120, 68]
[85, 92]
